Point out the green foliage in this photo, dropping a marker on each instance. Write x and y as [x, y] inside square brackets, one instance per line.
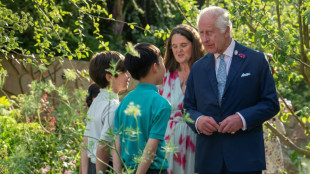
[74, 29]
[43, 131]
[258, 25]
[11, 23]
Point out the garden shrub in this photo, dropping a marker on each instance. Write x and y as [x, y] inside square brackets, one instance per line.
[41, 132]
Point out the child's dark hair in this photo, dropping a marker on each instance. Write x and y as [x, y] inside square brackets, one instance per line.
[139, 66]
[93, 91]
[100, 63]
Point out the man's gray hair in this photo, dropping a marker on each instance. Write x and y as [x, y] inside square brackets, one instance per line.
[221, 15]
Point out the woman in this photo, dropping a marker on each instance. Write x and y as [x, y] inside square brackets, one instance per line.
[183, 48]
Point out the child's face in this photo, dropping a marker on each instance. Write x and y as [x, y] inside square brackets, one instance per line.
[161, 70]
[120, 82]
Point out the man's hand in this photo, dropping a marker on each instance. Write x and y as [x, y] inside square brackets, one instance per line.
[231, 124]
[207, 125]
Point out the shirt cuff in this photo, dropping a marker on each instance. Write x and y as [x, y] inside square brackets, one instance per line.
[243, 121]
[196, 125]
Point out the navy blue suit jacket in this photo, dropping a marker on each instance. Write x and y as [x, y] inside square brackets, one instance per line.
[250, 90]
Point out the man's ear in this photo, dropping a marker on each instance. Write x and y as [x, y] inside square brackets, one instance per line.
[227, 31]
[108, 77]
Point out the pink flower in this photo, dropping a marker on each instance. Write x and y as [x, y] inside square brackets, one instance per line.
[45, 170]
[241, 55]
[72, 164]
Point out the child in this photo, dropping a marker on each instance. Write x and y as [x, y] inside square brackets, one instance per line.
[102, 109]
[146, 66]
[93, 91]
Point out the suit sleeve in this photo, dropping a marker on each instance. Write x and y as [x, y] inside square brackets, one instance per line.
[190, 105]
[268, 104]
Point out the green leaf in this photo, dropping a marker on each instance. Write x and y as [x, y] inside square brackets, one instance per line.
[131, 26]
[147, 27]
[79, 55]
[284, 117]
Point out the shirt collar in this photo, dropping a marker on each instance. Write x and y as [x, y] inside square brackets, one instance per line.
[108, 93]
[147, 86]
[229, 51]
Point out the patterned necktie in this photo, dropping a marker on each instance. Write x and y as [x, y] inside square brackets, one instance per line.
[221, 77]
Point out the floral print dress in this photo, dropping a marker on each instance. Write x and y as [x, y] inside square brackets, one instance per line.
[178, 133]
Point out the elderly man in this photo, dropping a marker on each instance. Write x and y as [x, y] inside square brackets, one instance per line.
[230, 93]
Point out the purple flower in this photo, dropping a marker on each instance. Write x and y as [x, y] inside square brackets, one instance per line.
[241, 55]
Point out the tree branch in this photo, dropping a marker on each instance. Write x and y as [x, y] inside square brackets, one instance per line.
[302, 50]
[136, 7]
[181, 12]
[157, 6]
[108, 19]
[275, 40]
[293, 113]
[306, 32]
[287, 141]
[252, 29]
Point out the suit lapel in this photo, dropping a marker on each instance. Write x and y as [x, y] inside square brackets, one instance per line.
[210, 63]
[236, 63]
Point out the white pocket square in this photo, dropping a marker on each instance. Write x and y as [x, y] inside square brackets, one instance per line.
[245, 74]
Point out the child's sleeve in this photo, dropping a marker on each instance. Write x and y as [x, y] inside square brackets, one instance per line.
[108, 123]
[159, 123]
[116, 121]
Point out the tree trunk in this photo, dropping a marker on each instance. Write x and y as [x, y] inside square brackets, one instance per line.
[118, 15]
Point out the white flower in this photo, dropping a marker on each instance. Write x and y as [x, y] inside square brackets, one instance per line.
[70, 74]
[133, 110]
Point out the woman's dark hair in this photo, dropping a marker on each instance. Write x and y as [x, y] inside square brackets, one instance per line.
[101, 62]
[197, 48]
[93, 91]
[139, 65]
